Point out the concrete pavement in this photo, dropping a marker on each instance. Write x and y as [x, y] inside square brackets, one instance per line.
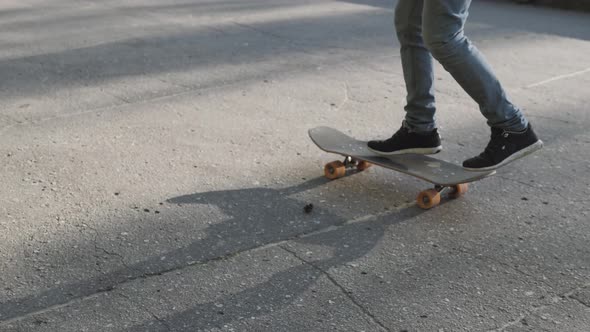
[155, 166]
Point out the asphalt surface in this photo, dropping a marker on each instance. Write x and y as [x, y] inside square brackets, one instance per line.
[156, 165]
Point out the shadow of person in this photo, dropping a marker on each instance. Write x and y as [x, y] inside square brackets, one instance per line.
[347, 243]
[255, 217]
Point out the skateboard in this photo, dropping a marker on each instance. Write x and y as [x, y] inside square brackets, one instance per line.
[446, 176]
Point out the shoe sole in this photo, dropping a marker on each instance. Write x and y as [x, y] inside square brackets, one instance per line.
[434, 150]
[515, 156]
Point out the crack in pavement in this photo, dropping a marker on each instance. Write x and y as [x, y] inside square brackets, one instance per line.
[575, 293]
[115, 254]
[509, 324]
[581, 301]
[343, 290]
[153, 315]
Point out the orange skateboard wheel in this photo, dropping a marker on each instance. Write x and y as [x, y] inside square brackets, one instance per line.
[363, 165]
[334, 170]
[458, 190]
[428, 199]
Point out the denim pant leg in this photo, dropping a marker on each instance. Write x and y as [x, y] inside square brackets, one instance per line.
[417, 66]
[443, 23]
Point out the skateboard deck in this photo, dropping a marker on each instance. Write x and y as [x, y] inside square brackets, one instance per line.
[441, 173]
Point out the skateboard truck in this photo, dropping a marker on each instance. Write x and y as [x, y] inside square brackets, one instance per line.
[360, 165]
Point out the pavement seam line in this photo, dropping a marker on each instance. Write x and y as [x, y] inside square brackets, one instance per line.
[227, 256]
[508, 266]
[54, 307]
[534, 311]
[517, 270]
[343, 290]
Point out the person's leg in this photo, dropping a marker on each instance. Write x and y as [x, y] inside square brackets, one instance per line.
[418, 133]
[512, 136]
[417, 66]
[443, 31]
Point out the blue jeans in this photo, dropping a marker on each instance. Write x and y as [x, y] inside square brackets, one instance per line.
[434, 28]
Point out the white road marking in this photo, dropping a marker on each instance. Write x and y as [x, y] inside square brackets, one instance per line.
[557, 78]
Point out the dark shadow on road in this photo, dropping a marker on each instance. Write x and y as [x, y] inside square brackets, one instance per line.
[256, 217]
[220, 49]
[267, 45]
[52, 16]
[285, 287]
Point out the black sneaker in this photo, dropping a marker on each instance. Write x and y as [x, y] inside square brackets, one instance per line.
[503, 148]
[405, 141]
